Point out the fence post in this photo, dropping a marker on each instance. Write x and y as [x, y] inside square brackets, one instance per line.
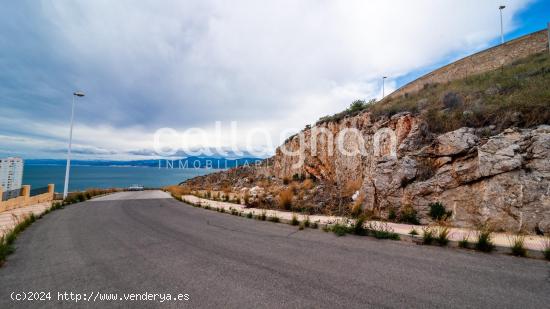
[51, 191]
[26, 193]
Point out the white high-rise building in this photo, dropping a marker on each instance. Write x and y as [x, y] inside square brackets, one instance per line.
[11, 173]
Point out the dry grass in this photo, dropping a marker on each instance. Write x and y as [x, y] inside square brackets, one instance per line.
[517, 245]
[307, 184]
[178, 190]
[351, 187]
[285, 198]
[518, 93]
[357, 205]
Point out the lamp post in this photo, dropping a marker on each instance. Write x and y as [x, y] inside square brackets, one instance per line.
[68, 168]
[383, 82]
[502, 7]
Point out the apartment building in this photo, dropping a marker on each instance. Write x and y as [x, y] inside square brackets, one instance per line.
[11, 173]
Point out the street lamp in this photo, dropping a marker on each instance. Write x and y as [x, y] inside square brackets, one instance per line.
[502, 7]
[383, 82]
[68, 168]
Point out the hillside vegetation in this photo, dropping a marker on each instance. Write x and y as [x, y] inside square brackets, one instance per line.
[517, 95]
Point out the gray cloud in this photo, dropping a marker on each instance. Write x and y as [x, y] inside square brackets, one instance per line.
[277, 64]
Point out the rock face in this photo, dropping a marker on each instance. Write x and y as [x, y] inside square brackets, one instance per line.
[502, 181]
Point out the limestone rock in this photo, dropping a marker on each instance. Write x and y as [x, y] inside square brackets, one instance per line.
[456, 142]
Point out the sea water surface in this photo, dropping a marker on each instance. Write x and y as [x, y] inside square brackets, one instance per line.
[85, 177]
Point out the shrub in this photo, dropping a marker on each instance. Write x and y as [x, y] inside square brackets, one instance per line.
[484, 242]
[285, 199]
[351, 187]
[6, 241]
[314, 225]
[517, 247]
[451, 100]
[301, 226]
[413, 232]
[546, 247]
[443, 236]
[294, 220]
[427, 236]
[438, 211]
[249, 215]
[286, 181]
[392, 214]
[358, 226]
[382, 231]
[356, 106]
[274, 218]
[262, 216]
[307, 184]
[307, 223]
[464, 242]
[408, 215]
[340, 229]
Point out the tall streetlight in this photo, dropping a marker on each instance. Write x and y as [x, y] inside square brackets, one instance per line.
[68, 168]
[383, 82]
[502, 7]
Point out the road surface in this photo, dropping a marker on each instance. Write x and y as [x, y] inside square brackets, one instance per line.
[144, 242]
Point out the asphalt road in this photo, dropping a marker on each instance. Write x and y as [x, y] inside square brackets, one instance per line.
[130, 244]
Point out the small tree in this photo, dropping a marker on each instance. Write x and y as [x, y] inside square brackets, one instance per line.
[356, 106]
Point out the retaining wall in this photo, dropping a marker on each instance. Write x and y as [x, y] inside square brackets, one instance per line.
[25, 199]
[483, 61]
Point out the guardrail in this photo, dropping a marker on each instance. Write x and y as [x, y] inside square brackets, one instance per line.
[38, 191]
[25, 197]
[10, 194]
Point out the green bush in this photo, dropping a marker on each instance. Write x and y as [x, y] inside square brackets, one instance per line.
[392, 215]
[484, 241]
[518, 245]
[408, 215]
[274, 218]
[294, 220]
[427, 236]
[307, 223]
[382, 231]
[546, 247]
[340, 229]
[443, 236]
[249, 215]
[464, 242]
[358, 226]
[438, 211]
[6, 241]
[262, 216]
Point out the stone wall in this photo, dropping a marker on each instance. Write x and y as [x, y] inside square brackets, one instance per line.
[26, 200]
[484, 61]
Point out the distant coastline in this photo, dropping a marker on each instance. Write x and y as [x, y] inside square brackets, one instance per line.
[182, 163]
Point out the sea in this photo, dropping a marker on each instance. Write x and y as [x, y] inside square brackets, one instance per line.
[85, 177]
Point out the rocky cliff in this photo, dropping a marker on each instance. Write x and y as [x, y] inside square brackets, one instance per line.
[480, 147]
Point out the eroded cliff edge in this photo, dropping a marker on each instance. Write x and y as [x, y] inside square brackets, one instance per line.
[480, 146]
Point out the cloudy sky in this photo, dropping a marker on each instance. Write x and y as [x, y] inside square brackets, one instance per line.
[270, 67]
